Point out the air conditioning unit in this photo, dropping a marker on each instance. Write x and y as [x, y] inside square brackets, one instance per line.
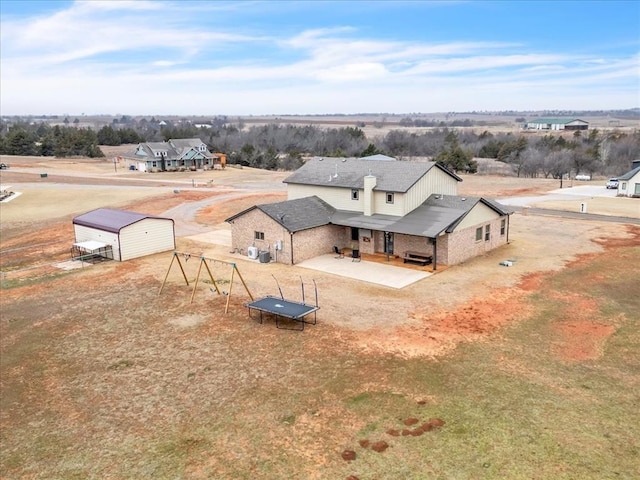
[252, 252]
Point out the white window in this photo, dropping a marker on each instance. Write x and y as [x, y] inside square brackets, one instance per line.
[389, 197]
[503, 226]
[487, 232]
[258, 235]
[355, 194]
[478, 234]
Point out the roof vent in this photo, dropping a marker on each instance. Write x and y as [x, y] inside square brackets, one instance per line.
[463, 199]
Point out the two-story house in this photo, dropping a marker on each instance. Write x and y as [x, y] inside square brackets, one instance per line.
[375, 206]
[174, 155]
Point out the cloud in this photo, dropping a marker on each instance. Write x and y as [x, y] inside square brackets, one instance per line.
[163, 57]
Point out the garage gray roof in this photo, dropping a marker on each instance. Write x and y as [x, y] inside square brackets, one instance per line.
[111, 220]
[391, 176]
[295, 215]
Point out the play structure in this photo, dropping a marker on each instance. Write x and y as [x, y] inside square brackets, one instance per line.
[205, 262]
[285, 311]
[289, 314]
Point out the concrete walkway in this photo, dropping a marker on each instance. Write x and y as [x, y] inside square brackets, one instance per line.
[372, 272]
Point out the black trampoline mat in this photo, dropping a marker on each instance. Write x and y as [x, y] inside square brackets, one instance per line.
[284, 308]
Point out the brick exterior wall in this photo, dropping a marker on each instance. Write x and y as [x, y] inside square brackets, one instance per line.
[458, 247]
[306, 243]
[403, 243]
[453, 248]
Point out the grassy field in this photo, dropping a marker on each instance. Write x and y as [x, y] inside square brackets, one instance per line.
[535, 369]
[135, 386]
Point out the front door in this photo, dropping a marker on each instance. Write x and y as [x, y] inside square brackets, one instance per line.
[388, 243]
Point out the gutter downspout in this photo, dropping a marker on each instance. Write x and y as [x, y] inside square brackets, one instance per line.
[435, 253]
[291, 239]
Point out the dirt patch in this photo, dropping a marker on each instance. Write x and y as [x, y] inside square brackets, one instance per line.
[437, 333]
[581, 340]
[218, 213]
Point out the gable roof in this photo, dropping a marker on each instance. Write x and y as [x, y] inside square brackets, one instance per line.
[439, 213]
[185, 142]
[555, 121]
[629, 175]
[175, 149]
[391, 176]
[295, 215]
[111, 220]
[463, 204]
[379, 157]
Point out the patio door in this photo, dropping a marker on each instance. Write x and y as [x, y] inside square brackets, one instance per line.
[388, 243]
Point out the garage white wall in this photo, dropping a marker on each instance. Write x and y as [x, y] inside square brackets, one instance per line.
[148, 236]
[83, 234]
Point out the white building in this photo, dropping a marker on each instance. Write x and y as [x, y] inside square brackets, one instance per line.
[629, 183]
[557, 124]
[126, 234]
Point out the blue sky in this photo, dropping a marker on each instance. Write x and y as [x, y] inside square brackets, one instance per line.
[316, 57]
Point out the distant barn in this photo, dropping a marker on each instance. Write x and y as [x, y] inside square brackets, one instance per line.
[557, 124]
[126, 234]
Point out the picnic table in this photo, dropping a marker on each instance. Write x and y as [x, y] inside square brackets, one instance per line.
[417, 257]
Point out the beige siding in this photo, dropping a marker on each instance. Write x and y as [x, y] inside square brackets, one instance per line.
[339, 198]
[435, 181]
[478, 214]
[381, 206]
[146, 237]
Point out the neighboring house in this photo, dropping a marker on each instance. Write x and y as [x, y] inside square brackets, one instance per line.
[557, 124]
[125, 234]
[629, 183]
[174, 155]
[374, 206]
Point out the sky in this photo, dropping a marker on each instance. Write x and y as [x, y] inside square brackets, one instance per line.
[316, 57]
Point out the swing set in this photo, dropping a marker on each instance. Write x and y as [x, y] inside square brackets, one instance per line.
[205, 261]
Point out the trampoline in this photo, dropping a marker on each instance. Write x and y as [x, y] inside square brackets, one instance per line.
[289, 315]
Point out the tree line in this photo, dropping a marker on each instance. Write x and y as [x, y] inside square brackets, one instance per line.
[283, 147]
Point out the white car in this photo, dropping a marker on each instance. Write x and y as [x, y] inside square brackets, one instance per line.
[612, 183]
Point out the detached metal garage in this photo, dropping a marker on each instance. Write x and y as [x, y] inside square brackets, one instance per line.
[129, 234]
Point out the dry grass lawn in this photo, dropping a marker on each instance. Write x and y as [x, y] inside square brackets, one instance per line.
[534, 369]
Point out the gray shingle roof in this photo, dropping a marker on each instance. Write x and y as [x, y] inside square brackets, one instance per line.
[437, 214]
[629, 175]
[175, 149]
[111, 220]
[295, 215]
[555, 121]
[391, 176]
